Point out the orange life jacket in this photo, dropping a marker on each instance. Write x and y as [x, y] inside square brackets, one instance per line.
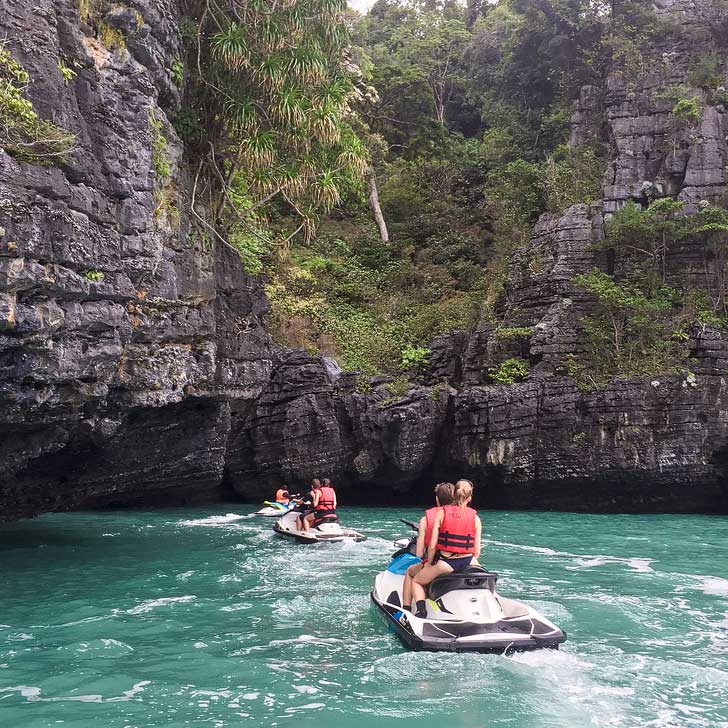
[282, 496]
[457, 530]
[325, 510]
[430, 514]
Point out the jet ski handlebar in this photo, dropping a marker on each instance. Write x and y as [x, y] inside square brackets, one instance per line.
[411, 524]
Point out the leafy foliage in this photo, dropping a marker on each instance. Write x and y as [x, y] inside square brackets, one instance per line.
[510, 371]
[273, 91]
[355, 300]
[649, 236]
[637, 330]
[23, 133]
[414, 357]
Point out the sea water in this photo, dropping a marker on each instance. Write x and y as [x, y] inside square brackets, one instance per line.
[204, 617]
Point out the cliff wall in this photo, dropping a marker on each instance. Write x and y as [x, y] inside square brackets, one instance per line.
[124, 334]
[135, 366]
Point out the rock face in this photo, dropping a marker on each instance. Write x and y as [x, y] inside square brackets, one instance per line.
[134, 361]
[123, 336]
[637, 445]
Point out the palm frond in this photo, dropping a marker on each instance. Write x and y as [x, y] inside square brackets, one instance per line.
[231, 46]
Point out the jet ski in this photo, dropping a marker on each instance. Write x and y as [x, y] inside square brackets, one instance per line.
[329, 532]
[465, 613]
[271, 509]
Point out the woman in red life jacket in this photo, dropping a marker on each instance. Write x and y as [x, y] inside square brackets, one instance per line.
[282, 496]
[444, 493]
[324, 506]
[307, 505]
[455, 542]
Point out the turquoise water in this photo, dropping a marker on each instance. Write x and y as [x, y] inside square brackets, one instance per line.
[202, 617]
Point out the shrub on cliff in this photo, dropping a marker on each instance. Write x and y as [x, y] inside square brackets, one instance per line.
[23, 133]
[637, 330]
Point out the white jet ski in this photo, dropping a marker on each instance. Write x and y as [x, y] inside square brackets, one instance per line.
[464, 611]
[271, 509]
[325, 532]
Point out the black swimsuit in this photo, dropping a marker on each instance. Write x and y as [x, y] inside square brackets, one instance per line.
[458, 563]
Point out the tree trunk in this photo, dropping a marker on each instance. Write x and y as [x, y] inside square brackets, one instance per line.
[376, 209]
[474, 7]
[438, 101]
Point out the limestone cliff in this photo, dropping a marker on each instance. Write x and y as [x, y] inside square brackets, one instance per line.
[135, 366]
[124, 335]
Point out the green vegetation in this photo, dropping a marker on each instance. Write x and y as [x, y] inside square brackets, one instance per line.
[165, 194]
[414, 357]
[446, 124]
[68, 73]
[642, 323]
[273, 93]
[356, 300]
[637, 330]
[88, 10]
[159, 149]
[95, 276]
[23, 134]
[511, 333]
[687, 110]
[111, 37]
[510, 371]
[178, 71]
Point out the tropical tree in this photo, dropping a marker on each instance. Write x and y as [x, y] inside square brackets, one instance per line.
[417, 49]
[273, 87]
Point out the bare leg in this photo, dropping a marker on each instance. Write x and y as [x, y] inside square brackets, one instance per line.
[308, 521]
[426, 575]
[407, 588]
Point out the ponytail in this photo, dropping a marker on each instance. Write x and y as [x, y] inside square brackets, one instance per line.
[463, 492]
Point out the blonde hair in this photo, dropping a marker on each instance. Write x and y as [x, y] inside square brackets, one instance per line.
[463, 492]
[445, 493]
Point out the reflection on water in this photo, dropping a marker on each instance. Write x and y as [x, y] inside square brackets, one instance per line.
[204, 616]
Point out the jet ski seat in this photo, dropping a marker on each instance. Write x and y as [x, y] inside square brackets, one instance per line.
[472, 577]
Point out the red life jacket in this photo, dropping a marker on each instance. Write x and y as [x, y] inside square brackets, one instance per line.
[282, 496]
[325, 510]
[430, 514]
[457, 530]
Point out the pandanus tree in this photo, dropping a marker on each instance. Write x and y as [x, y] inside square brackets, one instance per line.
[272, 87]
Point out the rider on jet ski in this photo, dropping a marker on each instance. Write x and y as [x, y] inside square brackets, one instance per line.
[323, 504]
[455, 541]
[444, 494]
[304, 504]
[282, 496]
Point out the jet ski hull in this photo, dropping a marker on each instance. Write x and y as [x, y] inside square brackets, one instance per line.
[271, 512]
[400, 621]
[327, 533]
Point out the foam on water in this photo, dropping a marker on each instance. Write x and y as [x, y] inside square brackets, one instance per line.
[214, 520]
[150, 604]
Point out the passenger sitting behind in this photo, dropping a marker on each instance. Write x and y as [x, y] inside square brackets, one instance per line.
[454, 543]
[323, 505]
[444, 493]
[306, 504]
